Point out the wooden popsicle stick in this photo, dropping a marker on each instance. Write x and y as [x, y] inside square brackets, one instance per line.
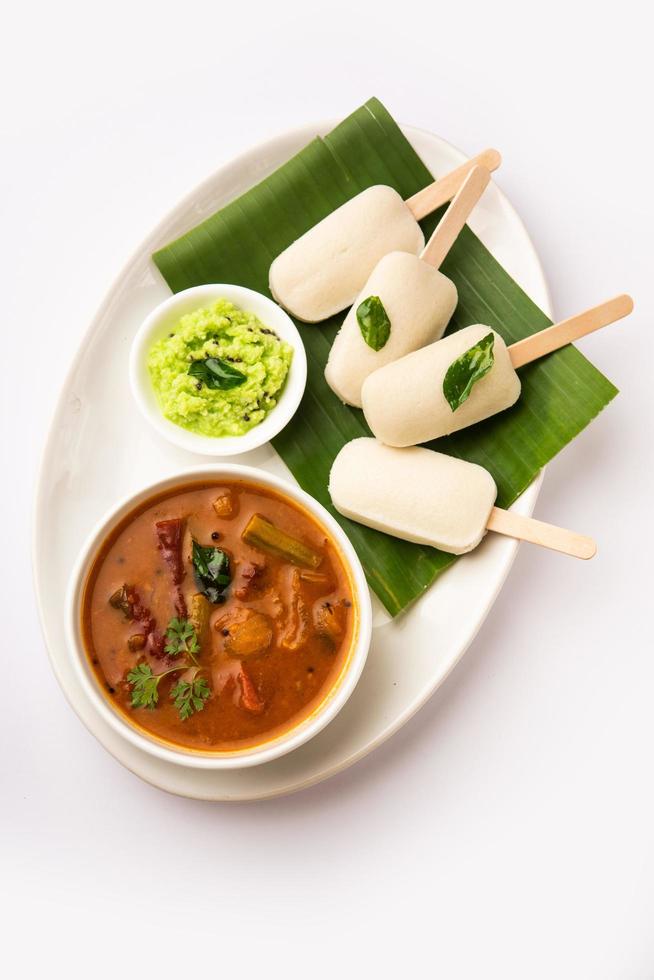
[537, 532]
[565, 332]
[443, 190]
[450, 225]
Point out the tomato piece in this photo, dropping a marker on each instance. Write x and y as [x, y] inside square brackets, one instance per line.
[250, 699]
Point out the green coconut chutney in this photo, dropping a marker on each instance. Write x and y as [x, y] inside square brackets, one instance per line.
[241, 342]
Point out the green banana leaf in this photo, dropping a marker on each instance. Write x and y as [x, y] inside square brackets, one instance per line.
[561, 393]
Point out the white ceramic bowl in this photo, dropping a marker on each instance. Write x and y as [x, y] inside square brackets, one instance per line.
[306, 729]
[160, 322]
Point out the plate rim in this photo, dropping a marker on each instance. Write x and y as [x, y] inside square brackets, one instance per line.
[114, 289]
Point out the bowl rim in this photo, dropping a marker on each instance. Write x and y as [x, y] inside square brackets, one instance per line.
[195, 297]
[334, 699]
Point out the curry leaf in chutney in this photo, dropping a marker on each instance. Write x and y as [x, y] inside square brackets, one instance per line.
[212, 571]
[470, 367]
[373, 322]
[216, 373]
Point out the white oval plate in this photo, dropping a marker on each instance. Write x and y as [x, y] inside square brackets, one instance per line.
[99, 449]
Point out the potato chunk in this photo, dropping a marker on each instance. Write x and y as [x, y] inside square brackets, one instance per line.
[246, 632]
[223, 504]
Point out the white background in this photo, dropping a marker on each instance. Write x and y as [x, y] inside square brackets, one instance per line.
[508, 830]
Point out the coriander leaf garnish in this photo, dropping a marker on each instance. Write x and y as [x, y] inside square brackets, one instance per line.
[190, 696]
[145, 686]
[373, 322]
[216, 373]
[181, 638]
[467, 369]
[212, 574]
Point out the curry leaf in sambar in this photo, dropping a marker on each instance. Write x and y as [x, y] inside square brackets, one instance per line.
[212, 571]
[373, 322]
[470, 367]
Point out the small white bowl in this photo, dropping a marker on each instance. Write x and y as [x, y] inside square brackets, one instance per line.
[160, 322]
[334, 699]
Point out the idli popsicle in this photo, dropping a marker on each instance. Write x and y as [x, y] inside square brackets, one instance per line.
[420, 495]
[405, 304]
[465, 377]
[322, 272]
